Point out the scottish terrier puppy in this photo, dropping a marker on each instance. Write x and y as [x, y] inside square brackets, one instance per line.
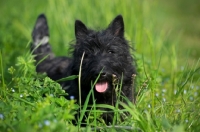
[102, 55]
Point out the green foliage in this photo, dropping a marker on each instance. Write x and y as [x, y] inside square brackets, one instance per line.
[168, 81]
[34, 103]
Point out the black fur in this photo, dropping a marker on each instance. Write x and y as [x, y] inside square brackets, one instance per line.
[55, 67]
[106, 50]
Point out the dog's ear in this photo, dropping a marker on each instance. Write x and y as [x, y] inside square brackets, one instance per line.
[81, 30]
[116, 27]
[40, 34]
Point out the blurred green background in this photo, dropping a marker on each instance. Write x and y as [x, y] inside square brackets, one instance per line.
[180, 19]
[162, 23]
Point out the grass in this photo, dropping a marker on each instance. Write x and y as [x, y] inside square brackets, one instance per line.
[168, 65]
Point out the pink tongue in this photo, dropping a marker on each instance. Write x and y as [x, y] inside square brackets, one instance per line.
[101, 86]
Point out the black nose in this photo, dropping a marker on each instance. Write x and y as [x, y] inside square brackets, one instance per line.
[102, 75]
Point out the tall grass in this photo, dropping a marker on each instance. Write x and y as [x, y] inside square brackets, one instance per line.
[167, 90]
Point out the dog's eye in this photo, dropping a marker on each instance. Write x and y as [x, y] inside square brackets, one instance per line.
[110, 52]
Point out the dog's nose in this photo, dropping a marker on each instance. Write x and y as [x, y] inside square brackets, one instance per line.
[102, 75]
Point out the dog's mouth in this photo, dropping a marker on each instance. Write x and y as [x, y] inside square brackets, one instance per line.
[101, 86]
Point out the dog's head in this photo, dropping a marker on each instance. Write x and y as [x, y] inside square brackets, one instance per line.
[102, 54]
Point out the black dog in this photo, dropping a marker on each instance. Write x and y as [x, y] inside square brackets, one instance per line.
[102, 53]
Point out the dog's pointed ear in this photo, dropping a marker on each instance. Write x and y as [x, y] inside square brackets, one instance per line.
[116, 27]
[40, 34]
[81, 30]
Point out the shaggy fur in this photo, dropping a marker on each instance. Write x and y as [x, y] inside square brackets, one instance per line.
[104, 52]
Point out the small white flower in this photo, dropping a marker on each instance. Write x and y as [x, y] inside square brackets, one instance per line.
[157, 94]
[164, 99]
[191, 98]
[72, 97]
[178, 110]
[12, 90]
[149, 106]
[47, 122]
[21, 96]
[164, 90]
[1, 116]
[185, 91]
[186, 121]
[175, 91]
